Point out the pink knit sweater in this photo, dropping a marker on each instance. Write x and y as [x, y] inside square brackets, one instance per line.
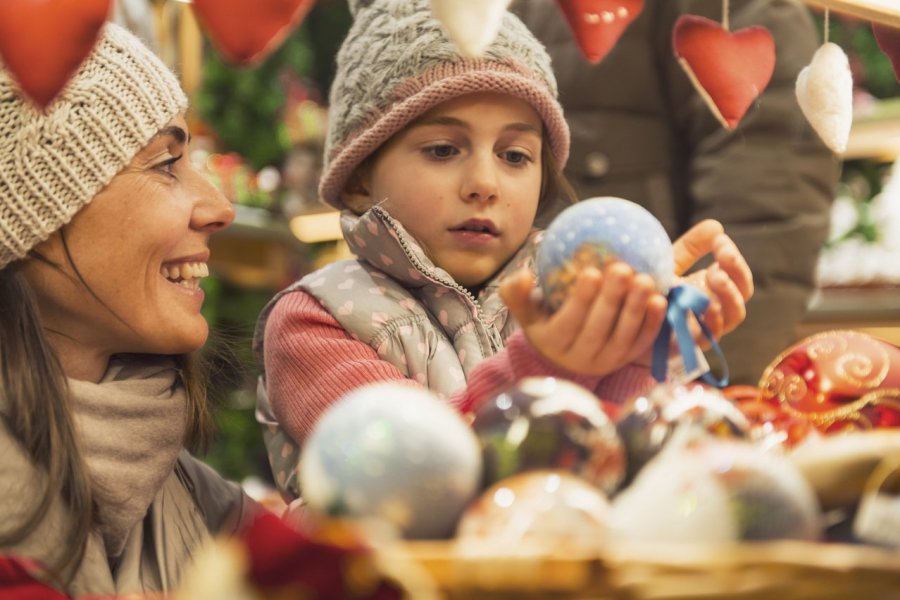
[311, 361]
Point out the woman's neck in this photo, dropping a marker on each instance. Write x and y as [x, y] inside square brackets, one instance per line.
[78, 362]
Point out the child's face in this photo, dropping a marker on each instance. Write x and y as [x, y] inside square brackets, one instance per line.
[465, 180]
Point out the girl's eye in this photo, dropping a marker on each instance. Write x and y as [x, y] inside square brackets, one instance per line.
[441, 151]
[167, 167]
[515, 157]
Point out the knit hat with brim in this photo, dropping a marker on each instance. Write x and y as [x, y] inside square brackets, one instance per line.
[397, 62]
[53, 163]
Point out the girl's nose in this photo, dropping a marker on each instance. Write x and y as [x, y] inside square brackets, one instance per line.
[212, 210]
[480, 182]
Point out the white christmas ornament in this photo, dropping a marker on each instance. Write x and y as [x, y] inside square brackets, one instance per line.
[825, 93]
[471, 24]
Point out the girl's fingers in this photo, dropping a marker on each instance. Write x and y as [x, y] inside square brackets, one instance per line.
[653, 319]
[516, 293]
[729, 298]
[732, 262]
[696, 243]
[631, 318]
[568, 322]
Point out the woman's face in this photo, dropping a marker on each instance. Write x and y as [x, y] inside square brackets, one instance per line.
[141, 247]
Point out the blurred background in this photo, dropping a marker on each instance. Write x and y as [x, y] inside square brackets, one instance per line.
[259, 134]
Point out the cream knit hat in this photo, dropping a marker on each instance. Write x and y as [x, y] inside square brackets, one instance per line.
[52, 164]
[397, 63]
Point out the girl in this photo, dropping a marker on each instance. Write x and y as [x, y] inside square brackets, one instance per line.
[440, 165]
[104, 230]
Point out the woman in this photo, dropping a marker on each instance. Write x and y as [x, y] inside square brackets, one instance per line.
[104, 230]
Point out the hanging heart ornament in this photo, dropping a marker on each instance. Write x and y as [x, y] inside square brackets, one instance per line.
[598, 24]
[888, 40]
[471, 24]
[825, 94]
[729, 69]
[43, 42]
[245, 33]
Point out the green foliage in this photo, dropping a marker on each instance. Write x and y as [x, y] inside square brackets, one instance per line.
[244, 105]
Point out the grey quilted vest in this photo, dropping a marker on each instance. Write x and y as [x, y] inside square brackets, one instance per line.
[411, 312]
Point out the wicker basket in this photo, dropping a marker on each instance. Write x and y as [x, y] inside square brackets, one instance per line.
[778, 570]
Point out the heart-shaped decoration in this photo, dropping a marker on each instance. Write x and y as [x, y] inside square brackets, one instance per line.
[244, 32]
[471, 24]
[598, 24]
[825, 94]
[729, 69]
[888, 40]
[43, 42]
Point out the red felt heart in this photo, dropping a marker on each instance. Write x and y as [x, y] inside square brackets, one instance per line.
[43, 42]
[888, 40]
[244, 32]
[598, 24]
[729, 69]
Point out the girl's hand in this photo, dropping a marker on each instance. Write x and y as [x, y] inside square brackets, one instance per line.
[608, 320]
[728, 281]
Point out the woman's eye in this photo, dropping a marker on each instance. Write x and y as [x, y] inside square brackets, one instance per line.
[441, 151]
[167, 167]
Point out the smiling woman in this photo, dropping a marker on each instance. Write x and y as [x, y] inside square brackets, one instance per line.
[104, 236]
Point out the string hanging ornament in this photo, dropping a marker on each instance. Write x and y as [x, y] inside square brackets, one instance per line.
[729, 69]
[825, 93]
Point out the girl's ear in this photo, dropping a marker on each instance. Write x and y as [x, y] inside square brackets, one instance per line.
[355, 195]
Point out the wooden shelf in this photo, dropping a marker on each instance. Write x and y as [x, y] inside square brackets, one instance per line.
[876, 134]
[874, 311]
[886, 12]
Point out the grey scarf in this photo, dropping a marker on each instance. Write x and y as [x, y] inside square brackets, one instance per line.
[131, 428]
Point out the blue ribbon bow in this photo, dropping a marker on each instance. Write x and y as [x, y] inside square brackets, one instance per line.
[685, 299]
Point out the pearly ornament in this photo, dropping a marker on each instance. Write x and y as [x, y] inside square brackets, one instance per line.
[825, 94]
[392, 452]
[471, 24]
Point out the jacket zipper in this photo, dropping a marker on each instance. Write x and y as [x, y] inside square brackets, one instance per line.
[493, 337]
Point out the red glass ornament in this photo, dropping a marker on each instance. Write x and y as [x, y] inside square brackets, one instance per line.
[839, 380]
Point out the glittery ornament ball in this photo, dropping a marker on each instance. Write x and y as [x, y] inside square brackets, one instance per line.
[396, 453]
[596, 231]
[549, 423]
[545, 510]
[646, 422]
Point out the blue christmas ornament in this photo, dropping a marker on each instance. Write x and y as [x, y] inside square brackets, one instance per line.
[598, 230]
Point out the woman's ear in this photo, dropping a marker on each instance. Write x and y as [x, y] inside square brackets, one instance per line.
[355, 194]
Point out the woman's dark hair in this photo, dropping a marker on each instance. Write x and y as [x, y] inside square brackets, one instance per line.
[34, 392]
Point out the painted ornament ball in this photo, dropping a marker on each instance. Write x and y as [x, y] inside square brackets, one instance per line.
[396, 453]
[543, 509]
[596, 231]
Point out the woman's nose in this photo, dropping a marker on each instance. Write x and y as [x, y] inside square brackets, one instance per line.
[212, 210]
[480, 181]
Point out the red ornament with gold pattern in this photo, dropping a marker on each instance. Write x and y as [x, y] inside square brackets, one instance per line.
[839, 380]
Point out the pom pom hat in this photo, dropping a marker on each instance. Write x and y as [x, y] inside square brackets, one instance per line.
[397, 63]
[53, 163]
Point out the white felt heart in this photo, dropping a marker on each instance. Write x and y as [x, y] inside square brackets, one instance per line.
[471, 24]
[825, 93]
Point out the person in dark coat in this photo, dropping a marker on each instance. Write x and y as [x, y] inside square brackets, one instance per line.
[640, 131]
